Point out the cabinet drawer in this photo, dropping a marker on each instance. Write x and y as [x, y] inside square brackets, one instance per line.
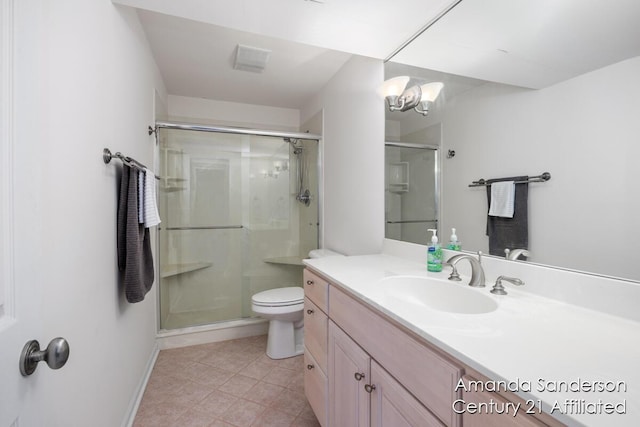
[315, 333]
[315, 388]
[316, 289]
[431, 378]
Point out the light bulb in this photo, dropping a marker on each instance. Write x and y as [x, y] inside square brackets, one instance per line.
[393, 87]
[430, 91]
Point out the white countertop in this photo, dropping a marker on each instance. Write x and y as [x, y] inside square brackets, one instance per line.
[533, 341]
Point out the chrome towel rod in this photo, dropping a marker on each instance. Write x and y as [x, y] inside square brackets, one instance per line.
[412, 221]
[209, 227]
[107, 156]
[544, 177]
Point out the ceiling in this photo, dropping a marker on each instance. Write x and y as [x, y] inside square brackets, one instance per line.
[196, 60]
[194, 42]
[527, 43]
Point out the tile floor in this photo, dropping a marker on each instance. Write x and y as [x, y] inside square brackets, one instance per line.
[229, 383]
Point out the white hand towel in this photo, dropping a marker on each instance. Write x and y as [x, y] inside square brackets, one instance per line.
[503, 195]
[151, 215]
[141, 176]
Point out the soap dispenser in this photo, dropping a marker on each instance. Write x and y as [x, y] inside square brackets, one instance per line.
[434, 253]
[454, 243]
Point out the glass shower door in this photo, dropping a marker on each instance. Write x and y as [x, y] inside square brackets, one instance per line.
[411, 187]
[231, 225]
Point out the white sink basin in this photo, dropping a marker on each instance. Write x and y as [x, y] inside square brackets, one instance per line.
[435, 295]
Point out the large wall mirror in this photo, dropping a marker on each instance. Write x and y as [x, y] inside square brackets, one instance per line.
[544, 98]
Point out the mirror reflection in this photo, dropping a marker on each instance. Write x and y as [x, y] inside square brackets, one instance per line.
[411, 193]
[582, 130]
[534, 87]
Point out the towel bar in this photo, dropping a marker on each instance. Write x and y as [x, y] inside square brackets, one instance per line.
[107, 156]
[546, 176]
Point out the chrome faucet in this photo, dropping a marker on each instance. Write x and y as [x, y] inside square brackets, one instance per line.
[498, 289]
[477, 273]
[513, 254]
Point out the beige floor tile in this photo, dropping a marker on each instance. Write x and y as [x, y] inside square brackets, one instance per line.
[195, 418]
[243, 413]
[290, 402]
[257, 370]
[231, 383]
[273, 418]
[263, 393]
[216, 403]
[279, 376]
[238, 385]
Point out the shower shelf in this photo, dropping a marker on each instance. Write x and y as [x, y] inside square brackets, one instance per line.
[175, 269]
[287, 260]
[173, 184]
[399, 177]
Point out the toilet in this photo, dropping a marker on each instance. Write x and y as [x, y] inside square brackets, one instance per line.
[283, 307]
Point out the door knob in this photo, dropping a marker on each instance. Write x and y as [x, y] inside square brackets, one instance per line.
[56, 355]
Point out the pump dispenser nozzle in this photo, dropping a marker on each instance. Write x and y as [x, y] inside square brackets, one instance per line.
[434, 237]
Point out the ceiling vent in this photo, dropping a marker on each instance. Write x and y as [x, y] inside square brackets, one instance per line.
[249, 58]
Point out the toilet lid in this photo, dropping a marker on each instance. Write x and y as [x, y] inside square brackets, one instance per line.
[279, 296]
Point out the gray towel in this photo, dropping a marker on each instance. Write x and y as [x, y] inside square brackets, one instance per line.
[135, 260]
[512, 233]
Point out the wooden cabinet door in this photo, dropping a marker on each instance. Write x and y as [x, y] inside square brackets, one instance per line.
[348, 401]
[495, 418]
[393, 406]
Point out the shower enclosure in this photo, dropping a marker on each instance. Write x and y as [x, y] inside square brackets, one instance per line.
[239, 213]
[411, 192]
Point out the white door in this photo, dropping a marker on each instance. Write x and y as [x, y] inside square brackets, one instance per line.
[11, 325]
[21, 260]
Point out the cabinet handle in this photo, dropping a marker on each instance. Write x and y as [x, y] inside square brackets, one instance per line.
[309, 311]
[309, 366]
[369, 388]
[358, 376]
[309, 282]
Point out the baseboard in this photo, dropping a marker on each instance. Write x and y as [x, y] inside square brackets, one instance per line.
[212, 333]
[137, 397]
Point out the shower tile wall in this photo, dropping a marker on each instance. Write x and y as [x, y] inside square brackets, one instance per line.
[227, 180]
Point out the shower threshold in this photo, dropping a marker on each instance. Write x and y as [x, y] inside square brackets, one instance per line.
[204, 334]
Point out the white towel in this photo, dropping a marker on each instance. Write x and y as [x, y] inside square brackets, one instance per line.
[141, 176]
[503, 195]
[151, 215]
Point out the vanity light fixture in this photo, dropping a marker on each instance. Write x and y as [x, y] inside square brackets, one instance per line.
[417, 97]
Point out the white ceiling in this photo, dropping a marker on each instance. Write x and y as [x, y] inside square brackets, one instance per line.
[196, 60]
[528, 43]
[194, 42]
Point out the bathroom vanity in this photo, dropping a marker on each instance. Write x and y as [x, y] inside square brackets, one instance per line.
[372, 359]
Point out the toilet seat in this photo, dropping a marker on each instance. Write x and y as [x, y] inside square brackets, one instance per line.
[279, 297]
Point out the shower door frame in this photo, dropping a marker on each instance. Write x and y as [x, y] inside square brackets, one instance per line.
[241, 131]
[437, 178]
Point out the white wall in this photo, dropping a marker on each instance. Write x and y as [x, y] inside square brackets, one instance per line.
[353, 156]
[583, 131]
[95, 81]
[222, 113]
